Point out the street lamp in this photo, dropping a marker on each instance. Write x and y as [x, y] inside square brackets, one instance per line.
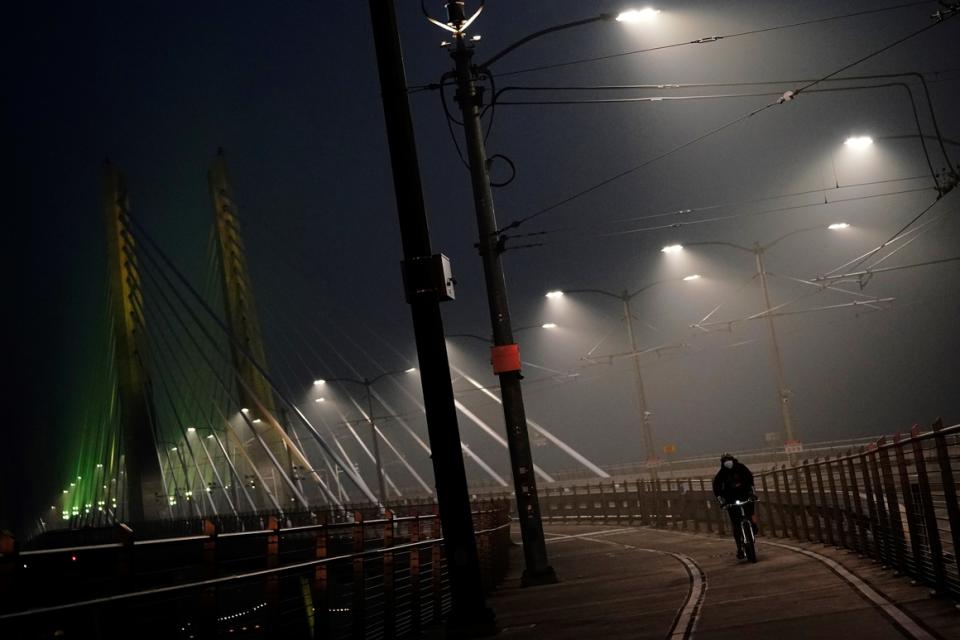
[758, 251]
[367, 383]
[625, 298]
[634, 15]
[858, 143]
[505, 352]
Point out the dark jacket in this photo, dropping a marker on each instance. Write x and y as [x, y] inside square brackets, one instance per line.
[733, 484]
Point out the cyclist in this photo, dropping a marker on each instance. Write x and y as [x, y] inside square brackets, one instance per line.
[734, 483]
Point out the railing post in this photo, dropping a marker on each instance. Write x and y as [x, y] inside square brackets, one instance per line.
[871, 506]
[949, 487]
[208, 597]
[929, 516]
[909, 506]
[864, 546]
[272, 583]
[883, 515]
[321, 584]
[358, 609]
[812, 503]
[823, 510]
[897, 537]
[389, 594]
[415, 612]
[658, 501]
[788, 504]
[801, 504]
[766, 507]
[837, 514]
[642, 501]
[436, 560]
[10, 594]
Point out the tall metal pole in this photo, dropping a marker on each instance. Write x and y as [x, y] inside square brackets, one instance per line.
[469, 615]
[376, 445]
[506, 358]
[783, 393]
[646, 430]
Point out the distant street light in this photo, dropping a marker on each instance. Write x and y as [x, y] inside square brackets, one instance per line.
[858, 143]
[692, 276]
[646, 429]
[758, 250]
[367, 383]
[549, 325]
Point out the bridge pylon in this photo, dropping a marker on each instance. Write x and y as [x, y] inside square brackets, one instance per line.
[145, 495]
[253, 390]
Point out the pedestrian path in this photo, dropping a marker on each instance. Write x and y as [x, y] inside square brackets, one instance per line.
[635, 582]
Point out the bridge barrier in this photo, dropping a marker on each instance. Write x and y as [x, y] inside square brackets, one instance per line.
[894, 501]
[382, 577]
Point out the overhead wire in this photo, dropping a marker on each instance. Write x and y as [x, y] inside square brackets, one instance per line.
[711, 39]
[788, 96]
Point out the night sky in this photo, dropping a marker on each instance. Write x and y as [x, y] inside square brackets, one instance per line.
[289, 90]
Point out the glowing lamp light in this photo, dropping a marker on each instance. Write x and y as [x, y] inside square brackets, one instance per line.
[245, 410]
[210, 437]
[858, 143]
[410, 370]
[672, 248]
[173, 448]
[319, 382]
[320, 400]
[692, 276]
[549, 325]
[838, 225]
[257, 421]
[631, 16]
[554, 294]
[191, 429]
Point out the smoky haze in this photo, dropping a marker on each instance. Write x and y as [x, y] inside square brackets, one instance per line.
[290, 91]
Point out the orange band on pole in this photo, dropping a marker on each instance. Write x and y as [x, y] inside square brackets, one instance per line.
[505, 358]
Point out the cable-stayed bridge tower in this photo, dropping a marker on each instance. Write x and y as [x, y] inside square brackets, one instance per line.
[246, 344]
[145, 492]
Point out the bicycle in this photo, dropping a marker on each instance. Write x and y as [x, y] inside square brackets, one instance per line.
[747, 537]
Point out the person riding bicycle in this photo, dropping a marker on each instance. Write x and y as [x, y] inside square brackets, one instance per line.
[734, 483]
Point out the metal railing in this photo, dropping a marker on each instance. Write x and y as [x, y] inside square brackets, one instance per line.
[894, 501]
[370, 578]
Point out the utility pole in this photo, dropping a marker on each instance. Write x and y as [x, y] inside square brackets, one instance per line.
[505, 352]
[469, 615]
[376, 445]
[646, 431]
[783, 393]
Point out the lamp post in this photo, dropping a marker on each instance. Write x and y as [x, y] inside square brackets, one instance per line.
[625, 298]
[367, 383]
[759, 251]
[505, 352]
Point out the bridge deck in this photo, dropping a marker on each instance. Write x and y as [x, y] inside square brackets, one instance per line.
[621, 582]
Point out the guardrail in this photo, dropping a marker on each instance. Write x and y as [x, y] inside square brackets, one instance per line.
[379, 578]
[894, 501]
